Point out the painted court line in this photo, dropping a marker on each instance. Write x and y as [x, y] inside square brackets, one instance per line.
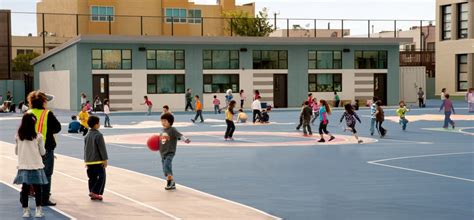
[377, 162]
[51, 207]
[118, 145]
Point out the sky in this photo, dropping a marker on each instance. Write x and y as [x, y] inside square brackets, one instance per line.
[320, 9]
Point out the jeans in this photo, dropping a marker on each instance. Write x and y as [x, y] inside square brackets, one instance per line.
[447, 119]
[241, 103]
[315, 116]
[107, 121]
[198, 114]
[372, 126]
[216, 109]
[97, 176]
[306, 127]
[420, 102]
[230, 129]
[167, 162]
[48, 161]
[84, 130]
[188, 105]
[403, 121]
[25, 190]
[148, 109]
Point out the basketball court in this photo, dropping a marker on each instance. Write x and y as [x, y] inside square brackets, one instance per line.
[269, 172]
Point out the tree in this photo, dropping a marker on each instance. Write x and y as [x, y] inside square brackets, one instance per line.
[241, 24]
[21, 63]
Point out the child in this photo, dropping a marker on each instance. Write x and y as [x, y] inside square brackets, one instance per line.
[307, 113]
[301, 117]
[242, 98]
[30, 149]
[448, 108]
[107, 113]
[373, 109]
[216, 102]
[74, 125]
[166, 109]
[169, 140]
[148, 104]
[315, 108]
[95, 157]
[97, 104]
[88, 107]
[324, 111]
[310, 99]
[265, 116]
[356, 105]
[229, 120]
[401, 112]
[351, 117]
[337, 99]
[83, 118]
[470, 100]
[242, 117]
[198, 110]
[256, 108]
[379, 118]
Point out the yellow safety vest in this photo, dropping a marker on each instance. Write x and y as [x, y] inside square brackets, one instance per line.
[41, 121]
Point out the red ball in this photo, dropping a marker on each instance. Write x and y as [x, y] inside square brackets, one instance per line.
[153, 142]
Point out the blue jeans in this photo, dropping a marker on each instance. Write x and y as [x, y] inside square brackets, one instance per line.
[167, 164]
[403, 121]
[48, 161]
[372, 125]
[447, 119]
[216, 109]
[97, 177]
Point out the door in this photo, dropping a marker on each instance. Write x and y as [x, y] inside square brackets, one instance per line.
[100, 87]
[280, 91]
[380, 87]
[412, 78]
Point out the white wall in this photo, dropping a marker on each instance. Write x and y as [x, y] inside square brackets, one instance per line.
[412, 78]
[58, 84]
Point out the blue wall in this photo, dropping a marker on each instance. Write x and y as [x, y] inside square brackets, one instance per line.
[16, 88]
[78, 59]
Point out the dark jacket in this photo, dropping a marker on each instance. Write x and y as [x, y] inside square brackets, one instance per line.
[94, 147]
[307, 113]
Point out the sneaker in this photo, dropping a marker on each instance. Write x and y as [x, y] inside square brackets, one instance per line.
[371, 133]
[332, 138]
[193, 120]
[453, 125]
[360, 141]
[171, 185]
[26, 213]
[231, 139]
[39, 212]
[95, 196]
[322, 140]
[202, 121]
[305, 135]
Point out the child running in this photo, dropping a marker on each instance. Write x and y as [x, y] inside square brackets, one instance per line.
[315, 108]
[401, 112]
[324, 111]
[30, 149]
[107, 113]
[379, 118]
[198, 110]
[216, 102]
[148, 104]
[95, 157]
[229, 120]
[448, 109]
[169, 140]
[307, 113]
[83, 117]
[350, 115]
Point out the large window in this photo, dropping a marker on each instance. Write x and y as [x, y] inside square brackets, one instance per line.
[325, 82]
[111, 59]
[102, 13]
[220, 59]
[219, 83]
[194, 16]
[462, 72]
[270, 59]
[324, 60]
[23, 51]
[446, 22]
[463, 14]
[176, 15]
[370, 59]
[165, 59]
[165, 83]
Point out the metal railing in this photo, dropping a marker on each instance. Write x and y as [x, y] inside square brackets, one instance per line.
[419, 58]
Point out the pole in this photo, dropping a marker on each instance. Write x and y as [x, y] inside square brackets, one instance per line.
[110, 24]
[43, 33]
[141, 25]
[202, 26]
[287, 27]
[77, 24]
[315, 29]
[231, 27]
[172, 26]
[342, 28]
[275, 21]
[368, 28]
[421, 35]
[394, 28]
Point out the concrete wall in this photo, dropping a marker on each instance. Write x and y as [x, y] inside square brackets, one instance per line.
[57, 83]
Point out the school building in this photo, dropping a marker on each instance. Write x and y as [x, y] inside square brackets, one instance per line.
[125, 68]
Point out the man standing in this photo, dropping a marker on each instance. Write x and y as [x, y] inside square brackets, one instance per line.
[189, 99]
[421, 98]
[47, 125]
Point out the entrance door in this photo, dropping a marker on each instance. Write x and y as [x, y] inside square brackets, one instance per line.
[380, 87]
[100, 87]
[280, 91]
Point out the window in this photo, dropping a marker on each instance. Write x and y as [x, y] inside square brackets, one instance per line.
[220, 59]
[102, 13]
[23, 51]
[446, 22]
[325, 82]
[324, 60]
[463, 15]
[270, 59]
[462, 73]
[176, 15]
[165, 83]
[218, 83]
[165, 59]
[370, 59]
[111, 59]
[194, 16]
